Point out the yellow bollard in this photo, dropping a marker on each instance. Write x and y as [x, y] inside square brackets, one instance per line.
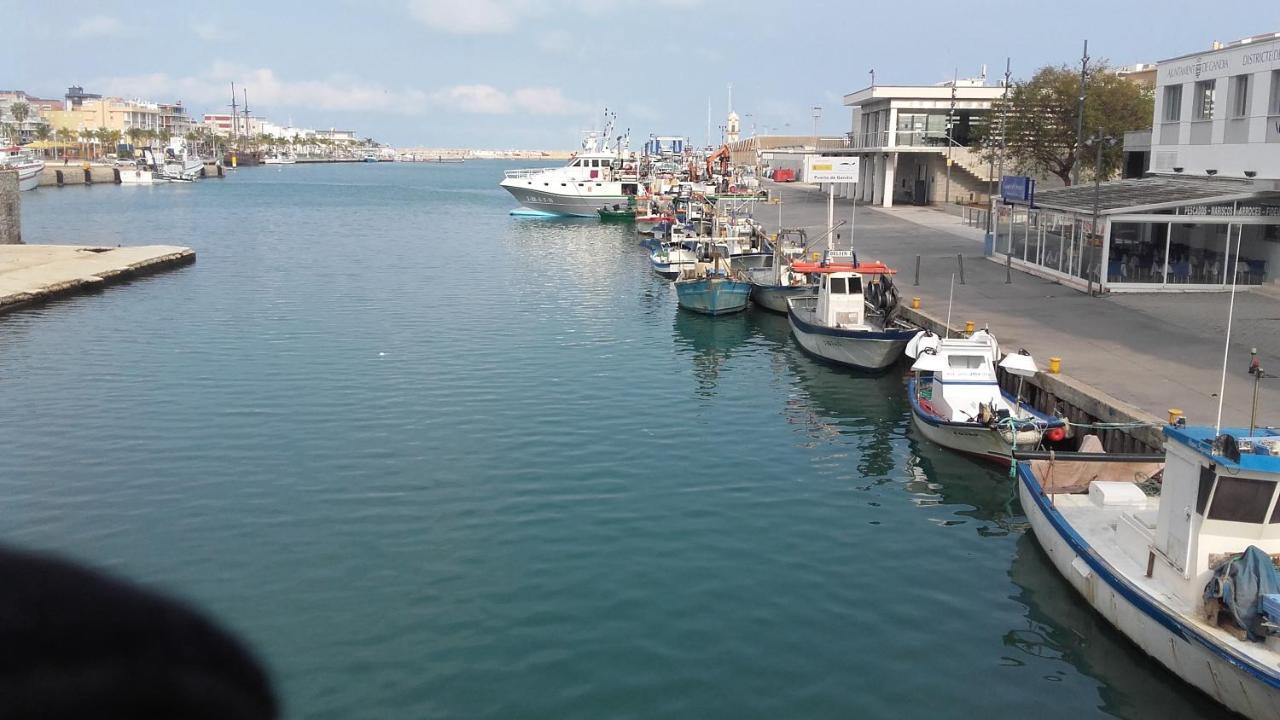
[1174, 414]
[915, 303]
[1055, 365]
[968, 326]
[817, 257]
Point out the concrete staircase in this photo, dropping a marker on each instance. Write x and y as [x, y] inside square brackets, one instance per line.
[972, 162]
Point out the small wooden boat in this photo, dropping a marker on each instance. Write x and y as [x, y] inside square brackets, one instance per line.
[835, 324]
[617, 213]
[1177, 552]
[957, 401]
[672, 258]
[708, 289]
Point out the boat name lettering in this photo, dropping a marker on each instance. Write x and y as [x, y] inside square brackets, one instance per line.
[1228, 211]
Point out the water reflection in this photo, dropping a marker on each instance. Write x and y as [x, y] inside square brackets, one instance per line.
[1061, 627]
[950, 478]
[710, 342]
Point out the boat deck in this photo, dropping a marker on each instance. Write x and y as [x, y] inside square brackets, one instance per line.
[1102, 527]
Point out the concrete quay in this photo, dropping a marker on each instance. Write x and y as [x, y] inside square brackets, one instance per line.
[1124, 357]
[55, 175]
[32, 274]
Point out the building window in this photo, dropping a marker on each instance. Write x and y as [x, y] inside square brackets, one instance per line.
[1172, 103]
[1240, 96]
[1204, 100]
[1274, 108]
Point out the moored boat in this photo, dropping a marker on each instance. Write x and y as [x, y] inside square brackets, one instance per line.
[1179, 556]
[708, 289]
[672, 258]
[835, 325]
[617, 213]
[25, 163]
[957, 401]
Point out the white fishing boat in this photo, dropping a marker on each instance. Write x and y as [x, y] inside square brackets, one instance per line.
[1153, 547]
[674, 257]
[835, 324]
[25, 162]
[595, 177]
[279, 160]
[774, 282]
[181, 163]
[957, 401]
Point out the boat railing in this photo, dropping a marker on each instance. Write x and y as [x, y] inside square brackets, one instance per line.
[524, 173]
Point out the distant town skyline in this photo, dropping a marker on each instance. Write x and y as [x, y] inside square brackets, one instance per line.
[519, 74]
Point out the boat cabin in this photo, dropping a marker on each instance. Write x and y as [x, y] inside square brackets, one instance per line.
[964, 383]
[840, 300]
[1216, 499]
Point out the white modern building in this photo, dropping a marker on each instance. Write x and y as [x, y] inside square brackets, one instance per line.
[1211, 193]
[901, 134]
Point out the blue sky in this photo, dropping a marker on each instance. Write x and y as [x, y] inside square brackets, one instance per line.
[533, 73]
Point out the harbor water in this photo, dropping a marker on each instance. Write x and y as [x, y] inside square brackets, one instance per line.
[434, 461]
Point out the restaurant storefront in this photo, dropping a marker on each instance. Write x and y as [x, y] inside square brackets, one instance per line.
[1187, 240]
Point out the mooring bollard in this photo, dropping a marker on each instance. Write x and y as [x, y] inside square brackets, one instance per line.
[960, 262]
[1055, 365]
[917, 282]
[1174, 414]
[968, 326]
[915, 303]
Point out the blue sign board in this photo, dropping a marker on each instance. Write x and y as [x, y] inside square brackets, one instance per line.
[1018, 189]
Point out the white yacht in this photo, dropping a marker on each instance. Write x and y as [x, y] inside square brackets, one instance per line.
[25, 162]
[1179, 556]
[595, 177]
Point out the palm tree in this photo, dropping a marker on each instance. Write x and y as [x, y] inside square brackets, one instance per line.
[135, 135]
[64, 136]
[103, 137]
[43, 133]
[20, 112]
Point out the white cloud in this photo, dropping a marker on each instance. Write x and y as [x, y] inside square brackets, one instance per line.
[478, 17]
[470, 17]
[97, 26]
[270, 93]
[546, 101]
[488, 100]
[483, 99]
[268, 90]
[209, 31]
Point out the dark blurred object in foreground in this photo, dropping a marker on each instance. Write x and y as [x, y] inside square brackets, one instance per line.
[75, 643]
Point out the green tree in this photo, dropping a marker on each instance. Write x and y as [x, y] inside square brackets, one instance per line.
[135, 135]
[65, 136]
[1041, 114]
[43, 133]
[164, 135]
[20, 112]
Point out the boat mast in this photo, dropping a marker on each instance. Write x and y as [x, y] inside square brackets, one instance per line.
[1231, 311]
[235, 118]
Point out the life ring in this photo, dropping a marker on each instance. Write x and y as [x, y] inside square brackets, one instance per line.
[733, 189]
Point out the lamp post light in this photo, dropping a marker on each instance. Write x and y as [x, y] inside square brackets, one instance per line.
[817, 113]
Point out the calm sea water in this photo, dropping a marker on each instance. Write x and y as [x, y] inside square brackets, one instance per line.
[435, 461]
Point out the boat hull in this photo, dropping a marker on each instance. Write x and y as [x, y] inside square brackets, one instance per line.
[713, 296]
[29, 176]
[971, 438]
[774, 297]
[137, 176]
[859, 349]
[572, 205]
[1240, 684]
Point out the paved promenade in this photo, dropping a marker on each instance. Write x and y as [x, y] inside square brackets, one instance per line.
[34, 273]
[1152, 351]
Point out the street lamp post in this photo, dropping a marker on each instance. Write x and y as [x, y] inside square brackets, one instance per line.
[1098, 141]
[817, 113]
[951, 118]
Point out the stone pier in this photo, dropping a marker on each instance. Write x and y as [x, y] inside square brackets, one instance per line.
[10, 208]
[36, 273]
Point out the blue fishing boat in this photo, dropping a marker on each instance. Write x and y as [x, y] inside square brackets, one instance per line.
[708, 289]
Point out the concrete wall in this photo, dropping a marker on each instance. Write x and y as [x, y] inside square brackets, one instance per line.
[10, 204]
[932, 169]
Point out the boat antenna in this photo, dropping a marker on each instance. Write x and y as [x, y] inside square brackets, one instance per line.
[950, 297]
[1231, 310]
